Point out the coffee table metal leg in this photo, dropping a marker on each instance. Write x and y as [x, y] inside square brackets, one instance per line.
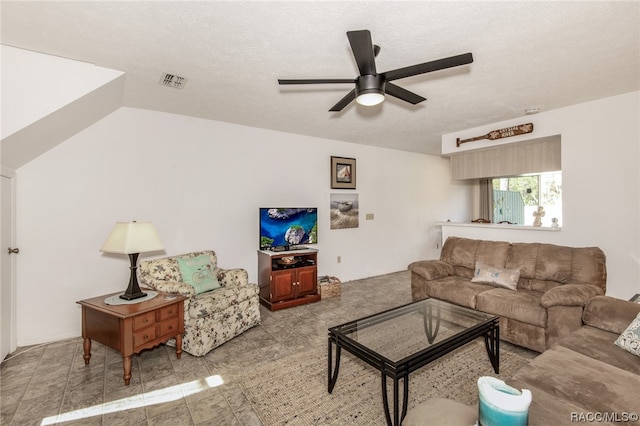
[333, 377]
[385, 400]
[405, 398]
[397, 417]
[492, 343]
[430, 329]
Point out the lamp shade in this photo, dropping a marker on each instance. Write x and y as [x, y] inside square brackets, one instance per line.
[132, 237]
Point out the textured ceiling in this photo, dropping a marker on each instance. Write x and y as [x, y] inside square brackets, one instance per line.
[526, 54]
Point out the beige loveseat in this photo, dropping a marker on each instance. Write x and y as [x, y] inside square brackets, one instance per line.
[211, 317]
[554, 285]
[585, 378]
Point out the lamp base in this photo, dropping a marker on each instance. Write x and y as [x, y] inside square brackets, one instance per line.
[127, 296]
[133, 290]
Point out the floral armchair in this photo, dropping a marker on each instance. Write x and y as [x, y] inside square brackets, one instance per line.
[211, 317]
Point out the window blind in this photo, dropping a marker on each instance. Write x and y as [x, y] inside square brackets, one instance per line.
[535, 156]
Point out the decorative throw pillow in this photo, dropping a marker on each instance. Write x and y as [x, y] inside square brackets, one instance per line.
[507, 278]
[629, 340]
[198, 272]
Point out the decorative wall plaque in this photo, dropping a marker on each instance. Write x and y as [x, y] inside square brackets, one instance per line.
[507, 132]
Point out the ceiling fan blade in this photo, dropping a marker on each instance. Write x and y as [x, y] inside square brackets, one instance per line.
[344, 101]
[403, 94]
[439, 64]
[317, 81]
[363, 51]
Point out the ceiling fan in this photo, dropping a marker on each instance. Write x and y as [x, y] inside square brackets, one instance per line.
[371, 86]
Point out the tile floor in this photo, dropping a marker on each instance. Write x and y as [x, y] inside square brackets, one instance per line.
[50, 384]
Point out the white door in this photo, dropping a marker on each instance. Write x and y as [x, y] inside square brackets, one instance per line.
[7, 323]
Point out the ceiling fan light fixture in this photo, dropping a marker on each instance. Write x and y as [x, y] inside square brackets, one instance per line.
[370, 89]
[370, 99]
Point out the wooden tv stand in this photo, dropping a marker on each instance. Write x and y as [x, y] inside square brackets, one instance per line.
[288, 278]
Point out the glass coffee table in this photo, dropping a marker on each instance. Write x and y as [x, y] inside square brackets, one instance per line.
[401, 340]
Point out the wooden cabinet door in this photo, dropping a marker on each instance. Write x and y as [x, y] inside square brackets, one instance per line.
[282, 287]
[307, 280]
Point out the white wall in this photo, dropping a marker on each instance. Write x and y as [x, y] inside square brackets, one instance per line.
[600, 179]
[201, 183]
[36, 85]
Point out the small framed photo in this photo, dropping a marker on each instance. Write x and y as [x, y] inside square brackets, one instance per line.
[343, 173]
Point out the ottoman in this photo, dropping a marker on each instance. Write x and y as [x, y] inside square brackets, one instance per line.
[441, 412]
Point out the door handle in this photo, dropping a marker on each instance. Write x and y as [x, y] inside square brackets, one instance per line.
[13, 250]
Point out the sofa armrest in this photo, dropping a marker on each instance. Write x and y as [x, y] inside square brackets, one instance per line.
[431, 269]
[609, 313]
[232, 277]
[174, 287]
[570, 295]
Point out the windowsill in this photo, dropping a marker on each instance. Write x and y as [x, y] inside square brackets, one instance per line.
[500, 226]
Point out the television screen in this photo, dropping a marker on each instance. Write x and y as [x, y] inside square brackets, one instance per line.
[285, 227]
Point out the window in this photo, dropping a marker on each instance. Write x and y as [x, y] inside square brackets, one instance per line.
[517, 199]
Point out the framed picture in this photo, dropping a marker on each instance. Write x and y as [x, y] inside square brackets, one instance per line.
[343, 173]
[344, 210]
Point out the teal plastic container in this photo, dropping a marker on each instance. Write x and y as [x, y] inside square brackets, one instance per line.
[501, 404]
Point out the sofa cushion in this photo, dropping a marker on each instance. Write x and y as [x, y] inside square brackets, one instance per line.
[507, 278]
[199, 273]
[523, 256]
[563, 381]
[599, 344]
[553, 263]
[220, 299]
[547, 409]
[166, 268]
[523, 305]
[629, 340]
[493, 253]
[464, 252]
[457, 290]
[542, 266]
[460, 252]
[589, 266]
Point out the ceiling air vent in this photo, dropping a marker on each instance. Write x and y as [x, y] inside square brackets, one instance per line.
[173, 80]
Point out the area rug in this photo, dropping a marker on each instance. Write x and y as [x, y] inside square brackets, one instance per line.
[293, 390]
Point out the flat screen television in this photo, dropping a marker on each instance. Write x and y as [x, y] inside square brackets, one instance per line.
[286, 228]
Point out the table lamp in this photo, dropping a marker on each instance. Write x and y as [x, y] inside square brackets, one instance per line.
[132, 238]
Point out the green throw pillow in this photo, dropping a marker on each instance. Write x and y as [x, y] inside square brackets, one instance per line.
[629, 340]
[198, 272]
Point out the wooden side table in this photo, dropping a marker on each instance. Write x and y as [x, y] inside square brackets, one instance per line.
[130, 328]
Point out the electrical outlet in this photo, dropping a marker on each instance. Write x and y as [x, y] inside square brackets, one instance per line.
[368, 216]
[339, 259]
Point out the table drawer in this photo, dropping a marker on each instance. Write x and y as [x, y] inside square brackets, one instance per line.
[144, 336]
[168, 312]
[168, 328]
[144, 320]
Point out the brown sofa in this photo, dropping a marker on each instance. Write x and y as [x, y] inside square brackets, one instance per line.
[585, 378]
[555, 284]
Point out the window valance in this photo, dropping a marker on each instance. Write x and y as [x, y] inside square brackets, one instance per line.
[534, 156]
